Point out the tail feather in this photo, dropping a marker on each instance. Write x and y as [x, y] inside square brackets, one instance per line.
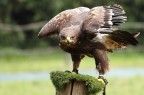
[136, 34]
[123, 37]
[114, 38]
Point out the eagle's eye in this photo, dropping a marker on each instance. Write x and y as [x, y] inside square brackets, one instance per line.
[72, 37]
[62, 37]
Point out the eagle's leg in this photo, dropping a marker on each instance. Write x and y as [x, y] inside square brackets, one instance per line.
[101, 76]
[101, 60]
[76, 58]
[101, 73]
[102, 64]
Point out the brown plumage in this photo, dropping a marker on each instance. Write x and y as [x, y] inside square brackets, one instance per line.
[83, 31]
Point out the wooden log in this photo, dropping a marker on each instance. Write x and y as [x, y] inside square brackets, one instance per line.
[67, 91]
[73, 88]
[75, 84]
[79, 88]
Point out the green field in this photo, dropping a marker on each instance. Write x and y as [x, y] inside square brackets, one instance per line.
[47, 59]
[14, 60]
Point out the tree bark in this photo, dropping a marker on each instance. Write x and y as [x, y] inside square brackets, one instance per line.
[73, 88]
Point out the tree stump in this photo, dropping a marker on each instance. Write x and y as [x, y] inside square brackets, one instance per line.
[67, 83]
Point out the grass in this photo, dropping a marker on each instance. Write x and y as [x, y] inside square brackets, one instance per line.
[27, 88]
[116, 86]
[30, 60]
[14, 60]
[127, 58]
[126, 86]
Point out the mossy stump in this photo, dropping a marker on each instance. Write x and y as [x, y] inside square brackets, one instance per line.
[67, 83]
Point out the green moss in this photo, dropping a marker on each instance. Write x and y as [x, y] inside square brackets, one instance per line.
[60, 79]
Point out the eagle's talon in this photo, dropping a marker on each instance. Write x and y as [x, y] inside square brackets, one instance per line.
[75, 70]
[105, 81]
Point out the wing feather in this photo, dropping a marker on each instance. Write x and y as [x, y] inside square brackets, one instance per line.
[94, 19]
[103, 17]
[60, 21]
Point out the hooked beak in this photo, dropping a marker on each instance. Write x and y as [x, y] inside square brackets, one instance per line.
[69, 40]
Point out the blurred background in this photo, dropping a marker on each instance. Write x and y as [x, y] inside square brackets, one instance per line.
[25, 60]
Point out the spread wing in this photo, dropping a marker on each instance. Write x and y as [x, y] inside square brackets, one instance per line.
[60, 21]
[98, 27]
[103, 17]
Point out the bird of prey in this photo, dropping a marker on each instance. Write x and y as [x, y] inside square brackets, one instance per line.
[89, 32]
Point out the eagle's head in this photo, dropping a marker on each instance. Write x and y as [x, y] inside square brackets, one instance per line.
[69, 36]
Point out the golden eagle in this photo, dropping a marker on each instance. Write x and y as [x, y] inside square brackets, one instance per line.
[83, 31]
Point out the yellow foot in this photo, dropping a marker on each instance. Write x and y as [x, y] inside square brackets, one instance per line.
[101, 80]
